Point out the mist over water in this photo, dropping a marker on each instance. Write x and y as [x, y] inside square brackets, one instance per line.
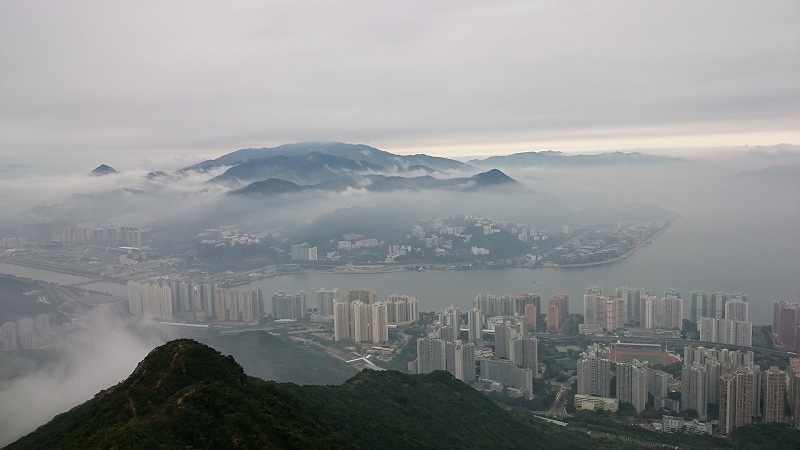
[735, 233]
[732, 235]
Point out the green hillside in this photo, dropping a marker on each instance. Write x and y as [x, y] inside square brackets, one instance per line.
[186, 395]
[391, 410]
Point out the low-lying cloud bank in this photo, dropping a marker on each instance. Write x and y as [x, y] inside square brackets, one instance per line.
[107, 351]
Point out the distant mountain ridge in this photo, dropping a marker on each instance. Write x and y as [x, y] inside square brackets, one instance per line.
[560, 159]
[382, 183]
[355, 152]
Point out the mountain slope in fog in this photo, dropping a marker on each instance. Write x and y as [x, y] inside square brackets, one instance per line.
[785, 172]
[356, 152]
[307, 169]
[382, 183]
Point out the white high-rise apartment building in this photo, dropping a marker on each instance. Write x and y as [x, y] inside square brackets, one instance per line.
[247, 306]
[475, 325]
[664, 313]
[593, 307]
[524, 353]
[736, 309]
[632, 384]
[360, 318]
[739, 398]
[8, 337]
[451, 317]
[494, 306]
[232, 305]
[793, 390]
[379, 323]
[341, 321]
[325, 299]
[43, 325]
[694, 388]
[403, 309]
[774, 393]
[430, 355]
[460, 360]
[150, 300]
[594, 376]
[626, 294]
[726, 331]
[220, 311]
[27, 334]
[360, 322]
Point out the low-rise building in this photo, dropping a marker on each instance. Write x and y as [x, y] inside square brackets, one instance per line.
[591, 403]
[673, 424]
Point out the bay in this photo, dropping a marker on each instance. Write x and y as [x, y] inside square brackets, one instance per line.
[731, 237]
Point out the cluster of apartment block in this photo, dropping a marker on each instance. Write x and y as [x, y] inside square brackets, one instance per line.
[721, 317]
[360, 318]
[603, 313]
[514, 362]
[197, 302]
[635, 381]
[744, 393]
[201, 302]
[104, 236]
[28, 333]
[13, 242]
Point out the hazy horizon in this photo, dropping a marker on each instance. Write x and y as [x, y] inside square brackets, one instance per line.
[157, 84]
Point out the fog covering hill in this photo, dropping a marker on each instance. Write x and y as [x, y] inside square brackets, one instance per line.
[309, 168]
[185, 394]
[785, 172]
[382, 183]
[373, 222]
[18, 299]
[356, 152]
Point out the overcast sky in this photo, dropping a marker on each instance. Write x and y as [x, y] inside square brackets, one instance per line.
[162, 82]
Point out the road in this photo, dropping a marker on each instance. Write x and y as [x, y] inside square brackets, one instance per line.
[559, 404]
[67, 297]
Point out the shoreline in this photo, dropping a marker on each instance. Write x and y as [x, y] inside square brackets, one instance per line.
[57, 269]
[345, 269]
[618, 258]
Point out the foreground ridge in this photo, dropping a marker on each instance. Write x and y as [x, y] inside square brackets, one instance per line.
[187, 395]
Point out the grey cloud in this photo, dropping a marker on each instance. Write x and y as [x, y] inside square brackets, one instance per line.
[107, 354]
[147, 79]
